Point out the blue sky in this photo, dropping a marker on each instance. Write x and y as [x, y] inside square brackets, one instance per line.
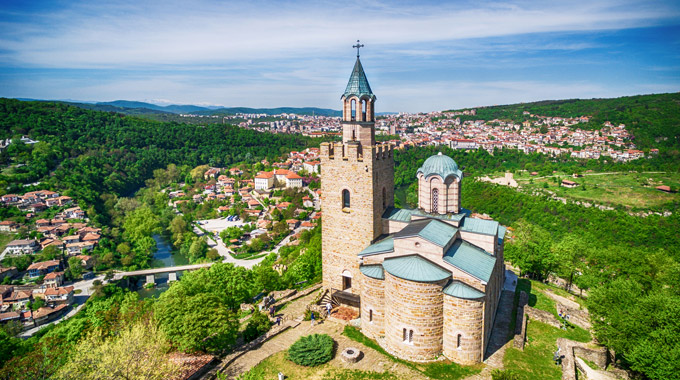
[419, 56]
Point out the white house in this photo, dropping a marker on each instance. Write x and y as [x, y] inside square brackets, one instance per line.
[264, 181]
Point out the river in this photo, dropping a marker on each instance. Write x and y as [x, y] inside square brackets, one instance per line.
[163, 257]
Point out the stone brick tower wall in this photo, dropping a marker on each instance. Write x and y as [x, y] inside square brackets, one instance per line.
[372, 307]
[417, 307]
[346, 231]
[463, 317]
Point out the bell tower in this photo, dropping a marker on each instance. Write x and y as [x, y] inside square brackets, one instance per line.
[357, 186]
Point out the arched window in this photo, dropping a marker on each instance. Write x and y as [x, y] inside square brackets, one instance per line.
[363, 110]
[384, 198]
[458, 338]
[345, 198]
[354, 109]
[410, 336]
[435, 200]
[405, 335]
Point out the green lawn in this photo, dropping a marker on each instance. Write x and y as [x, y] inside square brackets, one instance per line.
[535, 362]
[636, 190]
[441, 370]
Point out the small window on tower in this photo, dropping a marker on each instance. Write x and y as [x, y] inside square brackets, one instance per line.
[384, 198]
[370, 316]
[345, 198]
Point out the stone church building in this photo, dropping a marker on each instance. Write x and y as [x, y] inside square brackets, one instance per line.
[427, 280]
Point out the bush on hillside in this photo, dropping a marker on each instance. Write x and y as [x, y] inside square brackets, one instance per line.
[257, 325]
[311, 350]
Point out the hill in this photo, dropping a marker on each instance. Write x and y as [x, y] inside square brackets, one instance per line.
[653, 120]
[88, 153]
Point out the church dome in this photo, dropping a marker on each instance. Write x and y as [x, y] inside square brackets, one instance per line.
[440, 165]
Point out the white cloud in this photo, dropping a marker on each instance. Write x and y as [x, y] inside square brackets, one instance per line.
[90, 35]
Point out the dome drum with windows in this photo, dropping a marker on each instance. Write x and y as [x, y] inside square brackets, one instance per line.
[439, 181]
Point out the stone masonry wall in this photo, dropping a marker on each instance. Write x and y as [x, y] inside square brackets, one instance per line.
[414, 306]
[347, 231]
[463, 317]
[372, 299]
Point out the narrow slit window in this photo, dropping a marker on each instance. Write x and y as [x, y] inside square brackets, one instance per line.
[345, 198]
[370, 315]
[458, 338]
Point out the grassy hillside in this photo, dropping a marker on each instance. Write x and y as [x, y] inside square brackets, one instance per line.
[654, 120]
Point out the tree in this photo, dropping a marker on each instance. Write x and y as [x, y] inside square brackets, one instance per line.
[258, 324]
[75, 264]
[136, 353]
[37, 304]
[570, 253]
[196, 322]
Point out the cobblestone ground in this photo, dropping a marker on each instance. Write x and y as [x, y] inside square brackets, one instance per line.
[500, 338]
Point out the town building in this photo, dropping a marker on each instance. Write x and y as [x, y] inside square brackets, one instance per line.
[426, 281]
[20, 247]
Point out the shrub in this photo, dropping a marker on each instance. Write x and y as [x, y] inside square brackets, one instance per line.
[257, 325]
[311, 350]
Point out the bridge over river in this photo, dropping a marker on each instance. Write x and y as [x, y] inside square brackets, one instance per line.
[150, 273]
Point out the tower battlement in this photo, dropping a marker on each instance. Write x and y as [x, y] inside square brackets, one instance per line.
[353, 151]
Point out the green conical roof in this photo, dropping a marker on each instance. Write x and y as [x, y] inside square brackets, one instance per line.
[358, 84]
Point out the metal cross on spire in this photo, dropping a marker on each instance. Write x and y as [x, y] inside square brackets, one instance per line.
[358, 46]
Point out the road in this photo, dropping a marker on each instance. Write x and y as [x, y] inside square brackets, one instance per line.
[79, 300]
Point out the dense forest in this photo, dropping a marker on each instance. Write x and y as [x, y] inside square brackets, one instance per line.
[629, 265]
[87, 153]
[653, 120]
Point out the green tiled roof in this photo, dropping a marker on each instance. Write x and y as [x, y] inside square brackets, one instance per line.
[373, 271]
[470, 259]
[480, 226]
[415, 268]
[358, 84]
[381, 246]
[460, 290]
[432, 230]
[440, 165]
[404, 214]
[398, 214]
[453, 217]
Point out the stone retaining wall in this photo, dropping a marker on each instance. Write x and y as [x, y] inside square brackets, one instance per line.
[543, 316]
[521, 322]
[569, 349]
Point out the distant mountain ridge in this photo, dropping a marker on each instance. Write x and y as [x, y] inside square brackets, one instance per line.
[188, 108]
